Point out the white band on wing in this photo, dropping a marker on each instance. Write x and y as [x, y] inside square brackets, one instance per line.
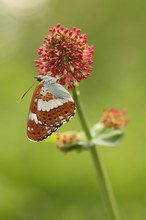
[51, 104]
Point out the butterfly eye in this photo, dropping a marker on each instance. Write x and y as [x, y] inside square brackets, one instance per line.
[39, 78]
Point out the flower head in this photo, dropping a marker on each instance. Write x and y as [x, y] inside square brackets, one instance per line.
[114, 118]
[67, 139]
[66, 55]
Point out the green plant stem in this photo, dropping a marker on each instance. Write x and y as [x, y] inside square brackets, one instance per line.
[104, 183]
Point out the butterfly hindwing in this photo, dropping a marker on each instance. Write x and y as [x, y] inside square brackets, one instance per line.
[58, 115]
[37, 131]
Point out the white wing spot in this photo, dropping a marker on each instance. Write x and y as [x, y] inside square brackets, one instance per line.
[51, 105]
[63, 121]
[33, 117]
[39, 104]
[70, 117]
[43, 107]
[61, 117]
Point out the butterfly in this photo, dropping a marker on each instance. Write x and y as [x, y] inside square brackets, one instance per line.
[51, 106]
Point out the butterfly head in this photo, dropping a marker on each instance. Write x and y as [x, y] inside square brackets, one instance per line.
[46, 79]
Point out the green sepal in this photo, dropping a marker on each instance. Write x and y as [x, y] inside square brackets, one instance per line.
[77, 146]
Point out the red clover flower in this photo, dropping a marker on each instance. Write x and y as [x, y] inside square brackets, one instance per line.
[114, 118]
[66, 55]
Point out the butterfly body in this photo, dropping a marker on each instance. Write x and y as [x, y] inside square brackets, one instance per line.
[51, 106]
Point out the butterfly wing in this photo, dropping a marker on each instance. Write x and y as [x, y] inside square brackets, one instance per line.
[48, 112]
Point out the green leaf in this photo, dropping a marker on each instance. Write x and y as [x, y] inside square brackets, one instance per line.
[97, 129]
[109, 139]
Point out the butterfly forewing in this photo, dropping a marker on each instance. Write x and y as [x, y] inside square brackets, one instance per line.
[47, 113]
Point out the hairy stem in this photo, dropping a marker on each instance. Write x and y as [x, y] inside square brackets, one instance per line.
[104, 183]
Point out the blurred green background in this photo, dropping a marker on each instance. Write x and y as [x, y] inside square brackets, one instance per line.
[37, 182]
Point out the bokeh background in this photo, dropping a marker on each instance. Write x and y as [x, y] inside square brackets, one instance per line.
[37, 182]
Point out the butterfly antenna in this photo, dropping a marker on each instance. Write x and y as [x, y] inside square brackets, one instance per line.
[27, 90]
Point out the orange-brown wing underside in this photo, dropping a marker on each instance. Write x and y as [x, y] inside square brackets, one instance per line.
[44, 123]
[35, 131]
